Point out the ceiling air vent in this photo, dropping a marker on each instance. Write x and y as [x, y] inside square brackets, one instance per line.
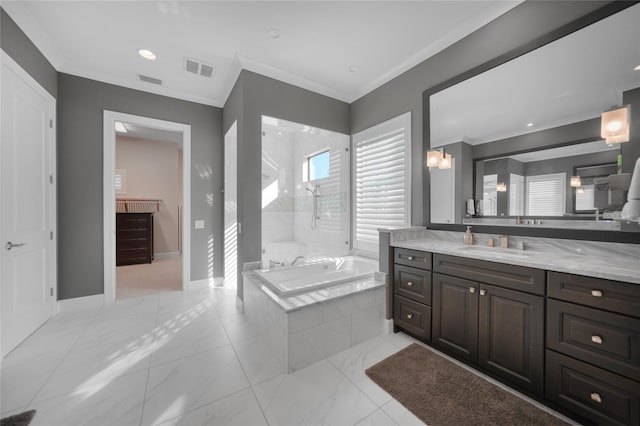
[196, 66]
[148, 79]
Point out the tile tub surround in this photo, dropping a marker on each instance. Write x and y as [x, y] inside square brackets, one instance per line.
[613, 261]
[307, 328]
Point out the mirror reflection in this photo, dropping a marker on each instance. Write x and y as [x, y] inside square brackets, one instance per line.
[531, 131]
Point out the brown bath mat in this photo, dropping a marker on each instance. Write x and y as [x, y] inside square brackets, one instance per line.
[440, 392]
[22, 419]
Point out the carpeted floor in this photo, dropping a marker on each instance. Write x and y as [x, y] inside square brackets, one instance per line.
[163, 274]
[22, 419]
[440, 392]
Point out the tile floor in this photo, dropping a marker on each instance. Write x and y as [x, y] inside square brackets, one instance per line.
[186, 359]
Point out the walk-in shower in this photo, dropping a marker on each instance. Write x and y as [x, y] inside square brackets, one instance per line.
[305, 192]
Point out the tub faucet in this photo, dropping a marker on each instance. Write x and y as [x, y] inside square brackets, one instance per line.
[296, 259]
[273, 263]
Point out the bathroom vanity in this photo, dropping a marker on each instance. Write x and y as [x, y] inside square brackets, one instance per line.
[563, 328]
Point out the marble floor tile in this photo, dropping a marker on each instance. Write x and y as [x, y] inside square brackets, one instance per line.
[258, 360]
[112, 402]
[46, 342]
[97, 364]
[239, 409]
[400, 414]
[316, 395]
[127, 330]
[354, 361]
[378, 418]
[238, 327]
[177, 387]
[19, 383]
[175, 339]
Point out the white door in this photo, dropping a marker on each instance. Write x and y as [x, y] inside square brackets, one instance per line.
[231, 207]
[26, 205]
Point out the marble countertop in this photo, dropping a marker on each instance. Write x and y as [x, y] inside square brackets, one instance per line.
[616, 266]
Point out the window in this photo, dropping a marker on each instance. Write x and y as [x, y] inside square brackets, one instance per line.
[490, 195]
[318, 166]
[546, 195]
[585, 198]
[381, 176]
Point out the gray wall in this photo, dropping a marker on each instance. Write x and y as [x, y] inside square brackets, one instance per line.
[253, 96]
[81, 103]
[524, 24]
[631, 149]
[17, 45]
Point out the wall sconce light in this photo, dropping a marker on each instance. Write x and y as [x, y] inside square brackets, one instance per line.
[615, 125]
[433, 158]
[575, 181]
[501, 187]
[580, 190]
[438, 158]
[445, 161]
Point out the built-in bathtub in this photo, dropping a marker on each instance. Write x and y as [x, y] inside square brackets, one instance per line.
[311, 311]
[317, 273]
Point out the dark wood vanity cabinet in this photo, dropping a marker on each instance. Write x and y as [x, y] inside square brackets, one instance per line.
[499, 329]
[412, 292]
[134, 238]
[593, 348]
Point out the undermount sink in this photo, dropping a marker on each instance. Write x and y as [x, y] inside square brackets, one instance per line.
[498, 251]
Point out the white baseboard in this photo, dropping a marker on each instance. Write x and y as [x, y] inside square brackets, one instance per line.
[165, 255]
[239, 304]
[205, 283]
[387, 327]
[81, 303]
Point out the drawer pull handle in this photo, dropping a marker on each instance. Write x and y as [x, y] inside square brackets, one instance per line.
[483, 292]
[595, 396]
[409, 316]
[409, 257]
[472, 290]
[596, 339]
[410, 283]
[596, 293]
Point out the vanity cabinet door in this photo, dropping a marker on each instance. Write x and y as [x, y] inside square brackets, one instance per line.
[511, 336]
[455, 316]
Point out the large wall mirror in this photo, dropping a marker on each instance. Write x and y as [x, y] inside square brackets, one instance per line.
[525, 136]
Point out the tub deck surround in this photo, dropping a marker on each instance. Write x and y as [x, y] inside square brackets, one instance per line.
[613, 261]
[305, 328]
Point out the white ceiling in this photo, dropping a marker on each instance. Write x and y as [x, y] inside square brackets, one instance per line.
[151, 134]
[319, 40]
[572, 79]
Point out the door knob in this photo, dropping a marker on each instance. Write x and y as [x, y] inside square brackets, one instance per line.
[11, 245]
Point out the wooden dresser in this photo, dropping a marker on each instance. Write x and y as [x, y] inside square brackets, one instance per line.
[134, 238]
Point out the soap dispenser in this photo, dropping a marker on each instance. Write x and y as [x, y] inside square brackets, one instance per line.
[468, 237]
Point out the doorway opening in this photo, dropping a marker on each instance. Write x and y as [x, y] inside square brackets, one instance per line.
[146, 205]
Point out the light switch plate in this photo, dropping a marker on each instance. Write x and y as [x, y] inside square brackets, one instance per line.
[199, 224]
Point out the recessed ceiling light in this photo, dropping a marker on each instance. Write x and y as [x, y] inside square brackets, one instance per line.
[273, 33]
[529, 124]
[147, 54]
[353, 68]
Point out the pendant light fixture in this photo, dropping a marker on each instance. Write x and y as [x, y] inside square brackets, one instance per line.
[615, 125]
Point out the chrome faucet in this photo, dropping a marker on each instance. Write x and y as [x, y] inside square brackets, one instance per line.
[296, 259]
[273, 263]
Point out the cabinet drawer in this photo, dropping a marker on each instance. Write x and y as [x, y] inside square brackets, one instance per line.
[515, 277]
[608, 340]
[623, 298]
[412, 316]
[415, 258]
[593, 393]
[412, 283]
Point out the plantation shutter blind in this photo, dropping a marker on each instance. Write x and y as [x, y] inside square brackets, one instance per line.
[546, 195]
[381, 174]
